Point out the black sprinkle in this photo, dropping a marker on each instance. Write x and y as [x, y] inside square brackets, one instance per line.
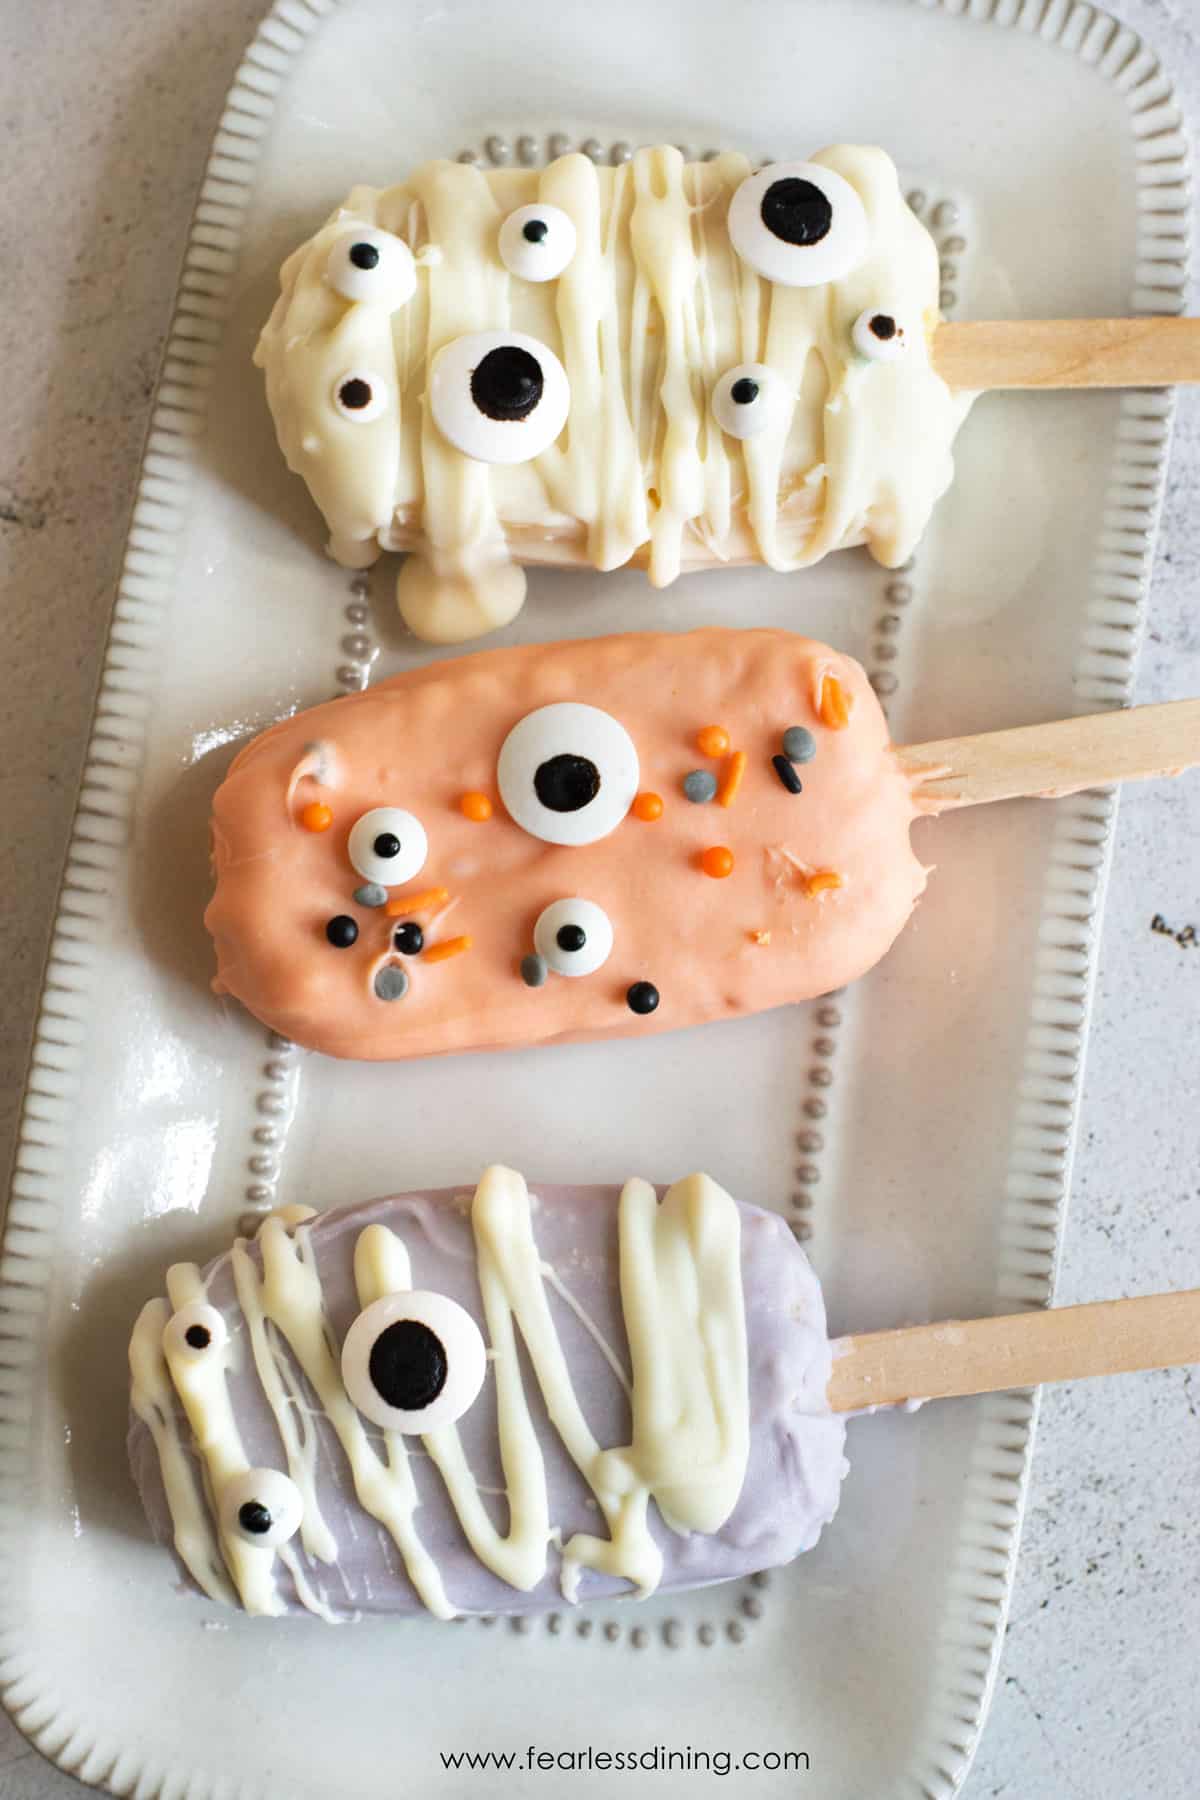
[643, 997]
[409, 939]
[342, 931]
[787, 774]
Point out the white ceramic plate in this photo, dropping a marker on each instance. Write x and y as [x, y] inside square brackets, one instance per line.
[918, 1130]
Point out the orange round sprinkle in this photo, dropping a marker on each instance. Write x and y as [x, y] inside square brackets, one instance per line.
[712, 741]
[717, 862]
[476, 807]
[648, 807]
[316, 816]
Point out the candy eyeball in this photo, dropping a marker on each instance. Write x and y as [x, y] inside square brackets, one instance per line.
[414, 1361]
[798, 224]
[745, 399]
[568, 773]
[879, 336]
[573, 937]
[372, 266]
[360, 396]
[499, 396]
[537, 242]
[195, 1332]
[388, 845]
[262, 1507]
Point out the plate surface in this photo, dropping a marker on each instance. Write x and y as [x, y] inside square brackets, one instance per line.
[917, 1130]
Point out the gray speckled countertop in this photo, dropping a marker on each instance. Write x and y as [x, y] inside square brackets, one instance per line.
[108, 111]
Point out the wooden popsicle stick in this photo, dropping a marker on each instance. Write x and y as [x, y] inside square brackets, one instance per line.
[983, 1356]
[1067, 353]
[1048, 761]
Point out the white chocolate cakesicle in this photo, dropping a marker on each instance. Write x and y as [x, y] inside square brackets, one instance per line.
[742, 362]
[488, 1404]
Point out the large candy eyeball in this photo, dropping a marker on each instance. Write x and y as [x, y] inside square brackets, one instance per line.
[388, 845]
[798, 224]
[879, 336]
[568, 773]
[196, 1331]
[370, 265]
[537, 242]
[499, 396]
[261, 1507]
[360, 396]
[745, 399]
[575, 937]
[412, 1362]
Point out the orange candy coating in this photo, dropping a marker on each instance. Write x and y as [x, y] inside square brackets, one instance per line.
[712, 741]
[316, 816]
[648, 807]
[717, 862]
[476, 807]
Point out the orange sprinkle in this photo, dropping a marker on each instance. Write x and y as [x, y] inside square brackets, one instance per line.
[476, 807]
[717, 862]
[835, 704]
[712, 741]
[731, 780]
[648, 807]
[408, 904]
[823, 881]
[316, 816]
[447, 947]
[761, 938]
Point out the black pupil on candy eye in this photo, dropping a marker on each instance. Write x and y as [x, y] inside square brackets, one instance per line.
[571, 937]
[566, 783]
[355, 393]
[883, 326]
[743, 391]
[507, 384]
[796, 211]
[536, 231]
[387, 845]
[408, 1365]
[254, 1517]
[364, 256]
[198, 1336]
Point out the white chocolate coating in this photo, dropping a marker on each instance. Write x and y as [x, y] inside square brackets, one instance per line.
[653, 309]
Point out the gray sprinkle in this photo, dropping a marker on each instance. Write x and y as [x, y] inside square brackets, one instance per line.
[468, 156]
[391, 983]
[916, 200]
[527, 151]
[799, 744]
[700, 786]
[534, 970]
[499, 149]
[946, 213]
[371, 895]
[558, 145]
[685, 151]
[593, 149]
[621, 152]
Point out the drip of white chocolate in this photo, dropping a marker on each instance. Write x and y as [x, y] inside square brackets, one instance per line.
[684, 1310]
[654, 307]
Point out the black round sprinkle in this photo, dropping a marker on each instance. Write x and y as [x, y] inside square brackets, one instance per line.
[342, 931]
[407, 1365]
[386, 845]
[364, 256]
[507, 384]
[355, 393]
[883, 326]
[787, 774]
[535, 231]
[643, 997]
[198, 1336]
[571, 937]
[566, 783]
[796, 211]
[255, 1518]
[743, 391]
[409, 939]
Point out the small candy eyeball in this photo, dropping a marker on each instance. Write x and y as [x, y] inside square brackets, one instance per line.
[371, 265]
[879, 336]
[568, 773]
[573, 937]
[262, 1507]
[360, 396]
[194, 1332]
[414, 1361]
[798, 224]
[537, 242]
[744, 402]
[499, 396]
[388, 845]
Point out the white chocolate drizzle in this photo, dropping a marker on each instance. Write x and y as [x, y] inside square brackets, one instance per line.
[684, 1310]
